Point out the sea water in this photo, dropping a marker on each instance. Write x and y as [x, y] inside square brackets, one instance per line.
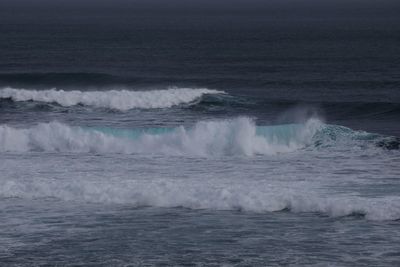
[198, 140]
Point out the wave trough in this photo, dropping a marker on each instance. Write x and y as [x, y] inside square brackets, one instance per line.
[113, 99]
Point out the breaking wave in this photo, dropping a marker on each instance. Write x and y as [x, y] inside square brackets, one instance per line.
[113, 99]
[259, 196]
[239, 136]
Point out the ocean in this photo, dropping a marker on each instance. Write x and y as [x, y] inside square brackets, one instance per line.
[193, 138]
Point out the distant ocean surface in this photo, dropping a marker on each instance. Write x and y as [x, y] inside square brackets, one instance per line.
[192, 139]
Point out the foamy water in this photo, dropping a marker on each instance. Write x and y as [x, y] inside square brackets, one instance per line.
[206, 138]
[112, 99]
[267, 152]
[144, 174]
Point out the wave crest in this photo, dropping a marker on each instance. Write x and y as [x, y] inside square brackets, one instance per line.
[238, 136]
[232, 137]
[113, 99]
[251, 196]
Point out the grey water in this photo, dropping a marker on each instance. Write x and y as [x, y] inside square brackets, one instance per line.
[199, 134]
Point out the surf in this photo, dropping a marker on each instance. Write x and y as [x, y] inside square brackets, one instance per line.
[212, 194]
[230, 137]
[122, 100]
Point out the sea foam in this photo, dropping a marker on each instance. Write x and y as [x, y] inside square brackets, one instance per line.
[113, 99]
[234, 137]
[211, 194]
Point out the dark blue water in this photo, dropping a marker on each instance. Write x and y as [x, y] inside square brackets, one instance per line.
[210, 134]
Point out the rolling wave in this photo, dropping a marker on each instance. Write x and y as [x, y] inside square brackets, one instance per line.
[235, 137]
[254, 196]
[197, 100]
[113, 99]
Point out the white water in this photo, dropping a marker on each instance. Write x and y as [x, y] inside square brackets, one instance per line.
[135, 167]
[200, 184]
[206, 138]
[113, 99]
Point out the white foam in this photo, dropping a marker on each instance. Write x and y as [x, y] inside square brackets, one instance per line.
[113, 99]
[206, 138]
[261, 184]
[213, 195]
